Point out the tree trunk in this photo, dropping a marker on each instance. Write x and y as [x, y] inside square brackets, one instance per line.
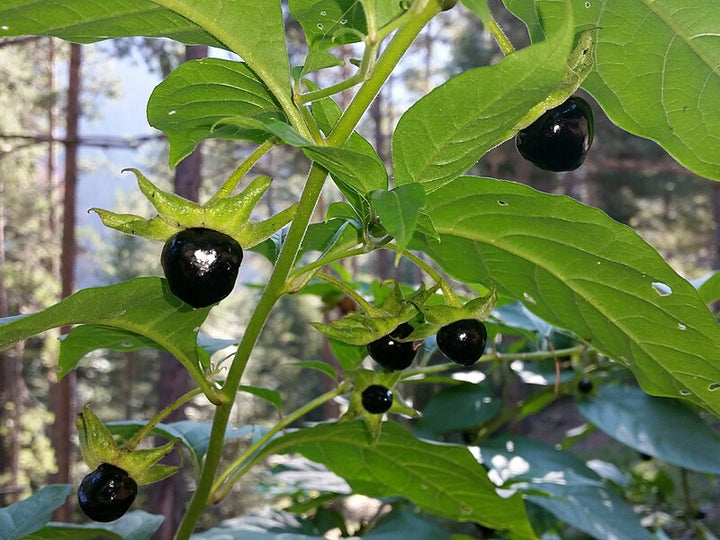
[62, 393]
[168, 497]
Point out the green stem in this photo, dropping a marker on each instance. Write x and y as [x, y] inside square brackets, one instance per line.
[231, 183]
[430, 271]
[344, 287]
[319, 263]
[535, 355]
[278, 279]
[147, 428]
[394, 51]
[502, 40]
[241, 465]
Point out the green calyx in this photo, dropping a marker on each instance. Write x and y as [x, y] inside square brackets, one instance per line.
[361, 379]
[229, 215]
[98, 446]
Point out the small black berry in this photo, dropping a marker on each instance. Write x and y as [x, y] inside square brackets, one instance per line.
[392, 354]
[201, 265]
[463, 341]
[377, 399]
[106, 493]
[585, 386]
[560, 139]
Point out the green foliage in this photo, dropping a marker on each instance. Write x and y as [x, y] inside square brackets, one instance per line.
[536, 266]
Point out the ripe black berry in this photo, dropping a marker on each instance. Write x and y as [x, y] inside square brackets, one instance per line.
[463, 341]
[391, 354]
[560, 138]
[201, 265]
[377, 399]
[106, 493]
[585, 386]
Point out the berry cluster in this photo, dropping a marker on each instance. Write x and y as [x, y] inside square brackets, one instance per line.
[461, 341]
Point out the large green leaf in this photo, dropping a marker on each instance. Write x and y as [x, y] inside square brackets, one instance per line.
[136, 525]
[656, 71]
[572, 492]
[29, 515]
[447, 131]
[191, 102]
[252, 29]
[578, 269]
[441, 479]
[144, 306]
[660, 427]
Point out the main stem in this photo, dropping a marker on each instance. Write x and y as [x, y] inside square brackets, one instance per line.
[276, 284]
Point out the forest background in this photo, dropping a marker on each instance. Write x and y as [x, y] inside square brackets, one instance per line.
[48, 88]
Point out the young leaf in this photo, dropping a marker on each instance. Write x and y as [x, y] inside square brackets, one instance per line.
[137, 525]
[27, 516]
[578, 269]
[441, 479]
[399, 210]
[188, 104]
[447, 131]
[665, 428]
[656, 72]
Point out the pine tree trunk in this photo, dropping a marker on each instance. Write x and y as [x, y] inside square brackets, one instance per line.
[62, 393]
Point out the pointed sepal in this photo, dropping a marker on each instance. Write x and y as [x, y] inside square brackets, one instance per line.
[97, 444]
[154, 229]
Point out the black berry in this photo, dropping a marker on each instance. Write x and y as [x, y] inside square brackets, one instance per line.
[106, 493]
[560, 138]
[201, 265]
[377, 399]
[585, 386]
[463, 341]
[392, 354]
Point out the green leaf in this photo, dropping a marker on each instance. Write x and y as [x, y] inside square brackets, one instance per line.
[254, 30]
[348, 356]
[456, 408]
[441, 479]
[446, 132]
[322, 367]
[137, 525]
[86, 338]
[351, 169]
[29, 515]
[85, 22]
[573, 492]
[403, 523]
[578, 269]
[271, 396]
[656, 72]
[319, 59]
[329, 24]
[144, 306]
[661, 427]
[709, 287]
[191, 101]
[399, 210]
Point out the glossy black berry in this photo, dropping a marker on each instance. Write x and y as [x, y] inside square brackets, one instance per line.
[377, 399]
[392, 354]
[585, 386]
[560, 138]
[106, 493]
[201, 265]
[463, 341]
